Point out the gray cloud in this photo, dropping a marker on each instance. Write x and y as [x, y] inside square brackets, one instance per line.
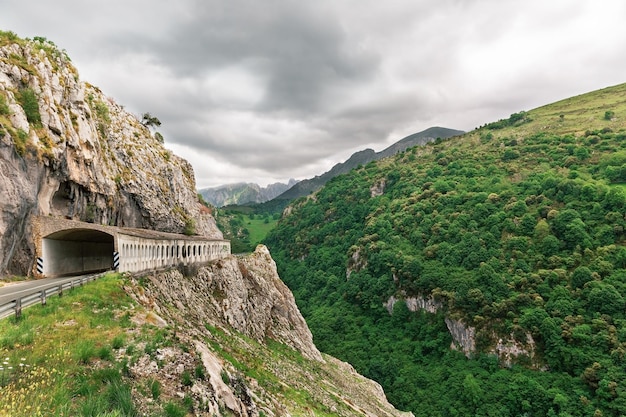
[251, 91]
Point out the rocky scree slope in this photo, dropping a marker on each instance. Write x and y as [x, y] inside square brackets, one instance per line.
[230, 314]
[68, 150]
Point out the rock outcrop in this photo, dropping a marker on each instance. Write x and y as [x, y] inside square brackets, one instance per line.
[244, 293]
[243, 297]
[68, 150]
[464, 336]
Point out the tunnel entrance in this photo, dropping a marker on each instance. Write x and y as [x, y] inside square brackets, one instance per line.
[76, 251]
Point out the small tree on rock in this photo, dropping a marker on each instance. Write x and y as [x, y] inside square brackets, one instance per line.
[149, 120]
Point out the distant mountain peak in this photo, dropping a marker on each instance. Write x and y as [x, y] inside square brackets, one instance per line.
[243, 193]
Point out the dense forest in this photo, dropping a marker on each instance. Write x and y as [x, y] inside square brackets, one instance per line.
[516, 229]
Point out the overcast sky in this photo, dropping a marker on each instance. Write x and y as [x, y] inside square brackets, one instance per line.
[264, 91]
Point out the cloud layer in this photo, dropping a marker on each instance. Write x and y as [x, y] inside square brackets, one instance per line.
[262, 92]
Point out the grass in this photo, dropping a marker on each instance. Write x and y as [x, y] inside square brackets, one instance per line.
[12, 278]
[46, 370]
[4, 107]
[575, 115]
[172, 409]
[259, 228]
[155, 388]
[74, 355]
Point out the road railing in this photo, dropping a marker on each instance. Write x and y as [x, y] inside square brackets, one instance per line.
[41, 295]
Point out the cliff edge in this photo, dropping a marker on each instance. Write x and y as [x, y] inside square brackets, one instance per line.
[240, 319]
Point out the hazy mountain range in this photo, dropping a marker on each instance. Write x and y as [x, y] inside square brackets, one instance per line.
[243, 193]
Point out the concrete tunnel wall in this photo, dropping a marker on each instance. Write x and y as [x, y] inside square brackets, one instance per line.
[139, 254]
[66, 247]
[77, 251]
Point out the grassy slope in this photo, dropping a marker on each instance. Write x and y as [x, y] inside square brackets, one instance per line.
[244, 232]
[50, 349]
[259, 228]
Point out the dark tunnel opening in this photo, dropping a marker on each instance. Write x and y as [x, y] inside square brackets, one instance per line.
[77, 251]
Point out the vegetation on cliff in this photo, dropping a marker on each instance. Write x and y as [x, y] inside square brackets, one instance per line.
[517, 229]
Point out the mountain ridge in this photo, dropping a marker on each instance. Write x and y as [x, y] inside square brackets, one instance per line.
[363, 157]
[242, 193]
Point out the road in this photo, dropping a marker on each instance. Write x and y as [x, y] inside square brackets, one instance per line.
[14, 291]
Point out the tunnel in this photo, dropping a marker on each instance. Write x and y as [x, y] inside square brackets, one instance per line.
[77, 251]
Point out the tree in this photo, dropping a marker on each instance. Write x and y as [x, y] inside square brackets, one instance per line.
[581, 276]
[542, 229]
[581, 153]
[569, 227]
[510, 154]
[605, 299]
[149, 120]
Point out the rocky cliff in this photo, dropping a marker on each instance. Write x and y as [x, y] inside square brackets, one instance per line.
[238, 317]
[244, 293]
[507, 349]
[66, 149]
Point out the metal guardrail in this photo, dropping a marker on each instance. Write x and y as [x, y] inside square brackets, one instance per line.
[40, 296]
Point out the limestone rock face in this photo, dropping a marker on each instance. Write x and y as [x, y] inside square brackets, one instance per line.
[464, 336]
[244, 298]
[68, 150]
[244, 293]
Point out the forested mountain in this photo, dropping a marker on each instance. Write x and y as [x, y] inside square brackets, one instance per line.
[511, 239]
[310, 185]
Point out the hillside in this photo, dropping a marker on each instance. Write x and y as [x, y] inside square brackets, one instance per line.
[306, 187]
[506, 243]
[243, 193]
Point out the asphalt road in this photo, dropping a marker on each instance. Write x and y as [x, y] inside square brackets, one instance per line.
[13, 291]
